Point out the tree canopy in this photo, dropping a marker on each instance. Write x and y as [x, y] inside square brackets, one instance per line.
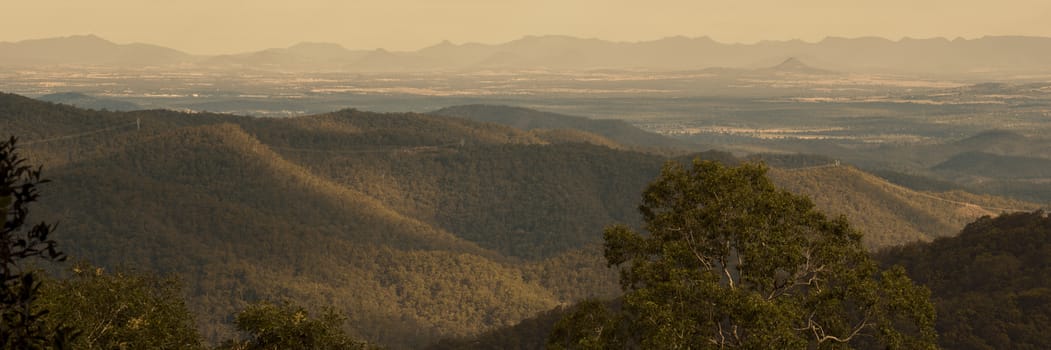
[22, 326]
[731, 261]
[287, 326]
[120, 310]
[990, 284]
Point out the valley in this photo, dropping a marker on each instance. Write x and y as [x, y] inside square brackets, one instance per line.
[883, 123]
[465, 204]
[419, 227]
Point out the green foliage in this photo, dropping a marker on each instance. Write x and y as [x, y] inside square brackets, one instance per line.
[502, 192]
[732, 261]
[412, 242]
[584, 328]
[120, 310]
[288, 327]
[22, 324]
[991, 284]
[529, 334]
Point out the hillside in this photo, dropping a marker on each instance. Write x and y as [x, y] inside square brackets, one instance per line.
[335, 246]
[889, 214]
[990, 283]
[416, 226]
[502, 188]
[89, 102]
[996, 140]
[995, 166]
[575, 136]
[529, 119]
[995, 162]
[993, 142]
[136, 198]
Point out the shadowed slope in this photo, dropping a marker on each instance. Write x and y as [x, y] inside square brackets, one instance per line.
[415, 226]
[239, 223]
[989, 283]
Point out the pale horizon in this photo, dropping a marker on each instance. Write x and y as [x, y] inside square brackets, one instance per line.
[206, 27]
[898, 39]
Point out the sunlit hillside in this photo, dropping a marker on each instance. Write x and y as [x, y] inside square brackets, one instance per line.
[416, 227]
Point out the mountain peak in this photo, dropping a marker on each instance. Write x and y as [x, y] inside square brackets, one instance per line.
[792, 62]
[443, 46]
[85, 39]
[795, 65]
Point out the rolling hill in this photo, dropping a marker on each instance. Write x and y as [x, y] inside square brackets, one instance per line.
[415, 226]
[530, 119]
[198, 196]
[995, 166]
[239, 223]
[89, 102]
[890, 214]
[989, 283]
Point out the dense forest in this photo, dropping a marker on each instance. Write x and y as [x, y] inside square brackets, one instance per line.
[991, 283]
[413, 227]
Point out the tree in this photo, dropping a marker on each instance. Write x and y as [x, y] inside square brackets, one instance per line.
[288, 327]
[587, 326]
[730, 261]
[21, 325]
[120, 310]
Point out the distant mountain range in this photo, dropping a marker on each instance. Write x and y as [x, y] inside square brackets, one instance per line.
[994, 54]
[88, 50]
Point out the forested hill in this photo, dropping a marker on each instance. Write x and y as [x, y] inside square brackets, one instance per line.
[87, 101]
[991, 284]
[890, 214]
[415, 226]
[530, 119]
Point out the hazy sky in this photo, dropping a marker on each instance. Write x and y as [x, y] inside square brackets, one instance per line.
[227, 26]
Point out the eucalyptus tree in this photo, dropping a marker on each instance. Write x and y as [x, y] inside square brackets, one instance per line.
[731, 261]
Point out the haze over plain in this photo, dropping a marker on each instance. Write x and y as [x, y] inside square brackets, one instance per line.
[224, 27]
